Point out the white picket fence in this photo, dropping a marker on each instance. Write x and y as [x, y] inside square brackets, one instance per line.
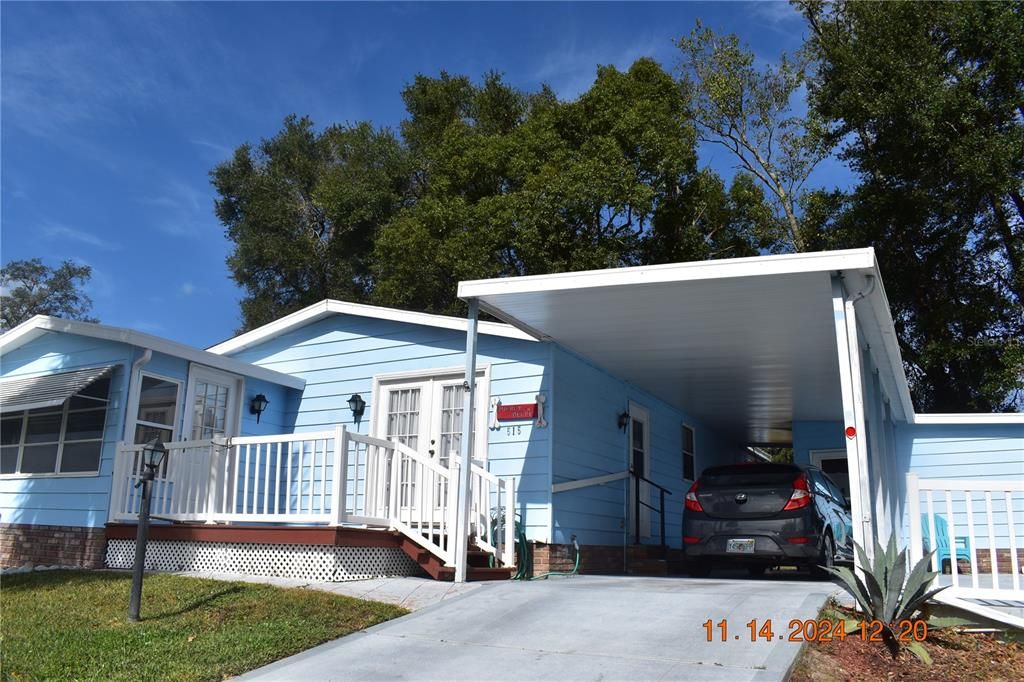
[987, 515]
[328, 478]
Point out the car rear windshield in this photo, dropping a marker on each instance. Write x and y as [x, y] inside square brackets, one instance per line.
[748, 474]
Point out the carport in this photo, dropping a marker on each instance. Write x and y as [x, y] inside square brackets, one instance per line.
[752, 346]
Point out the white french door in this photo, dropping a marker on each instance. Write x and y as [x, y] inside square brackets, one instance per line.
[211, 404]
[425, 414]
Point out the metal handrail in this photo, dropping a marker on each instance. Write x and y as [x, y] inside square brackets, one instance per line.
[661, 504]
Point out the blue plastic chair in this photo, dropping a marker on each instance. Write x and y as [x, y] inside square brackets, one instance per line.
[942, 549]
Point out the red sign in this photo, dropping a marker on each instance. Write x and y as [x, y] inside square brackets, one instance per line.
[523, 411]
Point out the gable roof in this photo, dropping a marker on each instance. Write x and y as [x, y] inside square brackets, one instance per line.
[328, 307]
[35, 327]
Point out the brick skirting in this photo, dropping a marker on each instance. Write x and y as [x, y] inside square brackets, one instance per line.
[76, 546]
[594, 559]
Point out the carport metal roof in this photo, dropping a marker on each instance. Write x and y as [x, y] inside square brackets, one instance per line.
[747, 345]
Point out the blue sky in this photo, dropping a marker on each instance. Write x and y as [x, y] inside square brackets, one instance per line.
[114, 114]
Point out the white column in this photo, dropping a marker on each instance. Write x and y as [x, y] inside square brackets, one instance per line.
[877, 456]
[853, 414]
[466, 458]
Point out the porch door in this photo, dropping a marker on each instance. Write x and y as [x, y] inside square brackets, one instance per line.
[211, 404]
[640, 463]
[426, 416]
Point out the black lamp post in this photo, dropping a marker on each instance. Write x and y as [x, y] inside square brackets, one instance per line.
[153, 454]
[357, 405]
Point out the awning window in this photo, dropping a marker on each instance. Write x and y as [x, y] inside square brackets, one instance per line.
[48, 390]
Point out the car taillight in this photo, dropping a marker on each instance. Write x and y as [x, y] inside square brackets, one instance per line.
[801, 496]
[690, 540]
[692, 503]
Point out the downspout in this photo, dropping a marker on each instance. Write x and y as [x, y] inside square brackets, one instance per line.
[133, 379]
[866, 520]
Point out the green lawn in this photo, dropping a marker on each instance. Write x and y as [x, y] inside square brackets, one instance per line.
[72, 625]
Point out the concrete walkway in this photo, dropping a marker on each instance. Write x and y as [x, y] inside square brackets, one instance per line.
[411, 593]
[578, 628]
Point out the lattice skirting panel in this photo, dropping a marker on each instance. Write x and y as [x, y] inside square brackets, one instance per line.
[320, 563]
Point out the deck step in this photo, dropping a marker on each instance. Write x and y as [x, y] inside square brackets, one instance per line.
[479, 567]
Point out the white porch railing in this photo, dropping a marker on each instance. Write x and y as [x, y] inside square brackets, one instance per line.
[975, 519]
[329, 477]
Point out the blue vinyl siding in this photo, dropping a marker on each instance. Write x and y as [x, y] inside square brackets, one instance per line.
[817, 435]
[340, 355]
[66, 500]
[588, 442]
[966, 451]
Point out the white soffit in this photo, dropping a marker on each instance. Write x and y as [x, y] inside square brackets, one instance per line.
[746, 345]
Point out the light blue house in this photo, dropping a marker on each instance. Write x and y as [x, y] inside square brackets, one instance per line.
[599, 397]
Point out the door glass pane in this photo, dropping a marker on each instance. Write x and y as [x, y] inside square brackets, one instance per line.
[451, 423]
[39, 459]
[81, 456]
[158, 401]
[144, 434]
[638, 447]
[403, 426]
[210, 410]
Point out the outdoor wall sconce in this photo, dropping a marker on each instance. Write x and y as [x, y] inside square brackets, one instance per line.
[258, 405]
[623, 421]
[357, 405]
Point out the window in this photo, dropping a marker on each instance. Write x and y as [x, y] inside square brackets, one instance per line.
[65, 439]
[689, 455]
[210, 410]
[158, 407]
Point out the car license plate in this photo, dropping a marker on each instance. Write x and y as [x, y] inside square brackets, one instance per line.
[736, 546]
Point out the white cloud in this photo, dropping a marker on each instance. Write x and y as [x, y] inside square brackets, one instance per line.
[187, 288]
[63, 232]
[571, 71]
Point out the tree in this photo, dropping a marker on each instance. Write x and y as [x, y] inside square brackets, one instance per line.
[747, 110]
[303, 210]
[926, 102]
[31, 288]
[515, 183]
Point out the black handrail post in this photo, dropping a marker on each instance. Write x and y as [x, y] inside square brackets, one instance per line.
[661, 513]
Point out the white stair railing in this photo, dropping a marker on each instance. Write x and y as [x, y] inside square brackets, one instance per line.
[421, 500]
[492, 514]
[976, 518]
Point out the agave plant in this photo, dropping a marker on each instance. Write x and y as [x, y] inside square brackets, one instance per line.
[887, 593]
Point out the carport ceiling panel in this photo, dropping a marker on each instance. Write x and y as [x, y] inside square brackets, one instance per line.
[745, 355]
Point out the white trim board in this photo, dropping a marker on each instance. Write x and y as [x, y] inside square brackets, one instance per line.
[967, 418]
[328, 307]
[35, 327]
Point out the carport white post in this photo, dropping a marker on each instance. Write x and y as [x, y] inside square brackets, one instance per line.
[851, 384]
[466, 459]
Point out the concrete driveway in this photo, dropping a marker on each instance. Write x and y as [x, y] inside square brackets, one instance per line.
[578, 628]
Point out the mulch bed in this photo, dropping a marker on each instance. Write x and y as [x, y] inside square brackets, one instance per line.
[956, 655]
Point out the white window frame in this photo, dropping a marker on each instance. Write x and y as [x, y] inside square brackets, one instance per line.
[382, 382]
[132, 420]
[63, 412]
[233, 417]
[692, 453]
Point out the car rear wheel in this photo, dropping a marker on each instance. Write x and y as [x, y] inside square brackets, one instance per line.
[827, 558]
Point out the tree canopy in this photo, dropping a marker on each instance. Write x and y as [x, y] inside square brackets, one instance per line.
[29, 287]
